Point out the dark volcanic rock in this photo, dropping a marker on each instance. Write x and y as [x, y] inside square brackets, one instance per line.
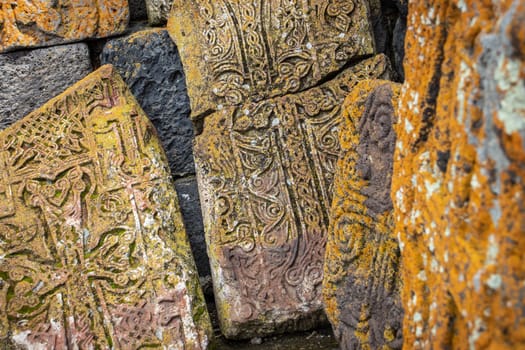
[137, 10]
[150, 65]
[388, 19]
[30, 78]
[190, 208]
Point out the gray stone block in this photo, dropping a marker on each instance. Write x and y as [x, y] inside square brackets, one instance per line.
[150, 65]
[28, 79]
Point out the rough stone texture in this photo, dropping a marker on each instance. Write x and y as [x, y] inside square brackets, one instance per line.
[28, 79]
[361, 282]
[137, 10]
[42, 23]
[388, 18]
[150, 65]
[190, 207]
[238, 50]
[94, 252]
[459, 174]
[265, 173]
[158, 11]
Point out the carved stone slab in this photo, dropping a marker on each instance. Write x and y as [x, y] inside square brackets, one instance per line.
[29, 78]
[234, 50]
[362, 280]
[265, 173]
[32, 23]
[92, 245]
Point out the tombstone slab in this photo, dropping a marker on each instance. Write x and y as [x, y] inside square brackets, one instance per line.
[265, 173]
[150, 65]
[459, 175]
[238, 50]
[94, 252]
[28, 79]
[361, 286]
[43, 23]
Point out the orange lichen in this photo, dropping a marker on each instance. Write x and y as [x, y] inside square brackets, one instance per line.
[93, 251]
[361, 283]
[38, 23]
[458, 176]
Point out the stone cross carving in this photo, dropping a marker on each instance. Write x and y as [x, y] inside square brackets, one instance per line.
[93, 249]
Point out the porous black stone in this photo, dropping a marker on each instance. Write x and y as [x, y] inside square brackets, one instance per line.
[137, 10]
[188, 194]
[29, 78]
[149, 63]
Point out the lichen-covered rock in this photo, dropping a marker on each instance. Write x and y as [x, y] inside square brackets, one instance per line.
[30, 78]
[158, 11]
[149, 63]
[265, 173]
[94, 252]
[361, 284]
[459, 175]
[234, 51]
[31, 23]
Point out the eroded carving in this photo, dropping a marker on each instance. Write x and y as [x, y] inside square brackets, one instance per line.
[94, 253]
[361, 286]
[37, 23]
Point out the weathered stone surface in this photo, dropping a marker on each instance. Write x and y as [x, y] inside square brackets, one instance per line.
[94, 253]
[238, 50]
[459, 174]
[265, 173]
[361, 281]
[40, 23]
[137, 10]
[150, 65]
[158, 11]
[388, 18]
[190, 207]
[30, 78]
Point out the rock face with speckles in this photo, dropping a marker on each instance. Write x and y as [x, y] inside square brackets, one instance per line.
[459, 173]
[361, 285]
[27, 81]
[94, 252]
[33, 23]
[265, 173]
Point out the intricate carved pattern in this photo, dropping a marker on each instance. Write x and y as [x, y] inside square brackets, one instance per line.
[37, 23]
[264, 48]
[87, 227]
[262, 169]
[361, 286]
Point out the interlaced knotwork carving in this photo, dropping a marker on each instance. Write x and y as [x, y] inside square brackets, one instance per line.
[93, 251]
[265, 172]
[264, 48]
